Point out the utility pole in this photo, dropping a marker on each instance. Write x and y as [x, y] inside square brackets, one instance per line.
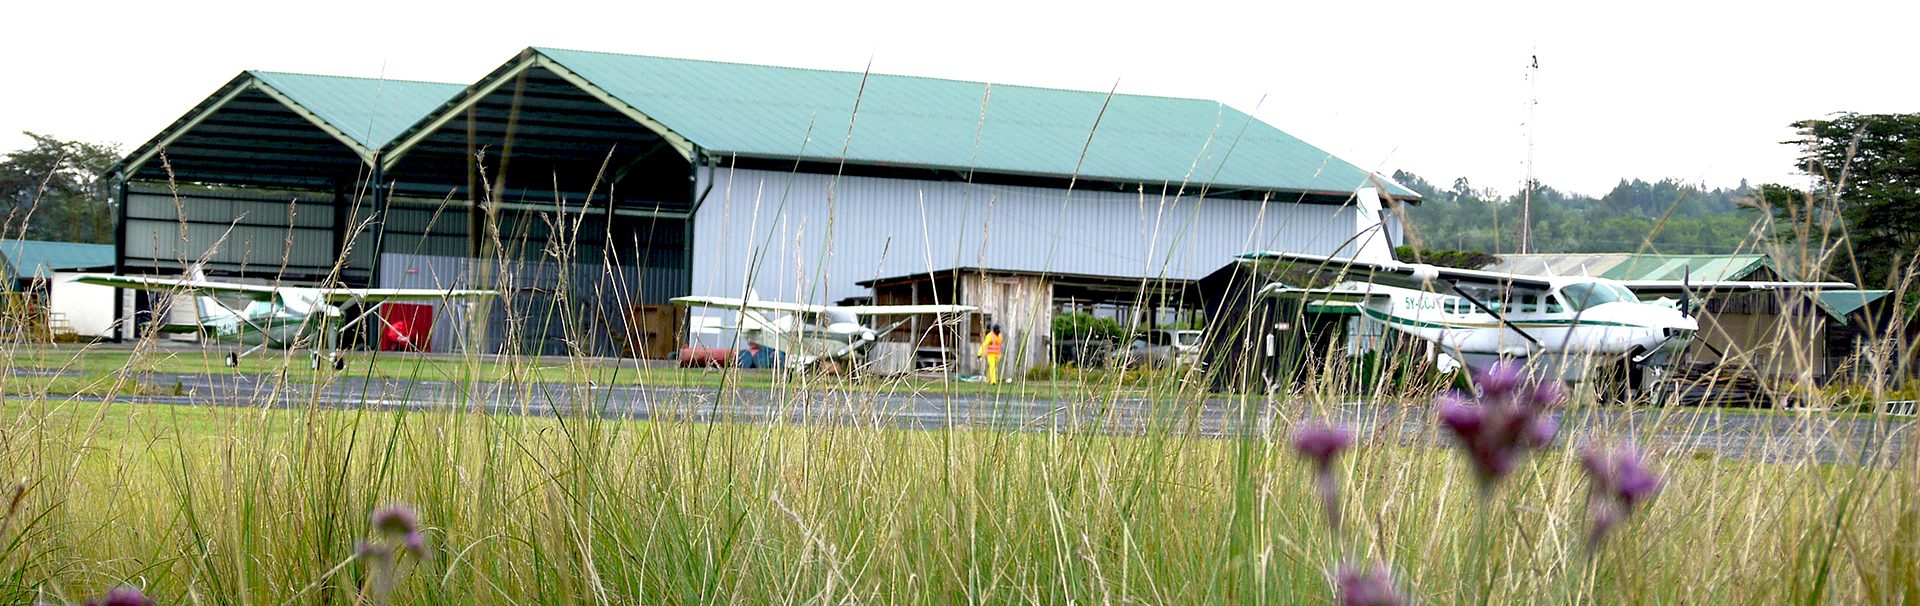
[1526, 197]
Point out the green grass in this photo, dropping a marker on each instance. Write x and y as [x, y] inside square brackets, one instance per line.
[249, 503]
[263, 506]
[91, 369]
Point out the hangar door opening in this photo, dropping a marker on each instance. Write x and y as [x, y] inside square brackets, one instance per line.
[577, 286]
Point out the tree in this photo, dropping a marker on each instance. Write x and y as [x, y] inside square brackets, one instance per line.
[56, 190]
[1666, 216]
[1869, 165]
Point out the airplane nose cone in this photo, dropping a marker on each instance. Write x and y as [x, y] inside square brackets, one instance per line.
[866, 335]
[1687, 323]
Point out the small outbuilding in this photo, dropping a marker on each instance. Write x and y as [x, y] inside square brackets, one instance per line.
[1024, 304]
[1814, 334]
[39, 297]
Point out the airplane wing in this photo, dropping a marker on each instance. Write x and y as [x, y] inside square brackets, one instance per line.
[1325, 296]
[185, 286]
[745, 304]
[377, 295]
[1394, 273]
[1677, 287]
[887, 310]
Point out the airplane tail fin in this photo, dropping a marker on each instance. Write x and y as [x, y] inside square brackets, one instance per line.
[206, 306]
[1371, 242]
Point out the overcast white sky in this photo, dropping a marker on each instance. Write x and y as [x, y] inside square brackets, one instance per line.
[1692, 90]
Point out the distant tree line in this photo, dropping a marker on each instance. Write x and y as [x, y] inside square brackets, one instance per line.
[1667, 216]
[56, 190]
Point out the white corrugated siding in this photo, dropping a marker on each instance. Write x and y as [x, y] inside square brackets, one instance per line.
[812, 246]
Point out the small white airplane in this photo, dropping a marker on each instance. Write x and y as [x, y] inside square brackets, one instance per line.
[1481, 317]
[281, 317]
[806, 334]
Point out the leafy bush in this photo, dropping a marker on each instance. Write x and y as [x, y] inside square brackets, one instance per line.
[1075, 326]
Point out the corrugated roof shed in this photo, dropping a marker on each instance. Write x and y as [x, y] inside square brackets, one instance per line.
[38, 258]
[1632, 266]
[1840, 303]
[793, 113]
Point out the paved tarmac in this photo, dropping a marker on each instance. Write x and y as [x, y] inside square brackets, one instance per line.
[1796, 437]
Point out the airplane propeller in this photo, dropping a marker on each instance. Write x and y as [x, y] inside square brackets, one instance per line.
[1686, 291]
[868, 336]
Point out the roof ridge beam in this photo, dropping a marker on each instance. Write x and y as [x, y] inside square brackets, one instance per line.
[145, 153]
[679, 143]
[366, 155]
[240, 85]
[390, 157]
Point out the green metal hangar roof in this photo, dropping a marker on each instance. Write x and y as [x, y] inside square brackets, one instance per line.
[566, 111]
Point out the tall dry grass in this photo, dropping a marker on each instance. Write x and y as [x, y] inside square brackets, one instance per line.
[1196, 498]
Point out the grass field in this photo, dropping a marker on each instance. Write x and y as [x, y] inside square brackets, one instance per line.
[253, 502]
[266, 506]
[98, 370]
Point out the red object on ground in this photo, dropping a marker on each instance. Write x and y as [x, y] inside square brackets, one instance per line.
[705, 357]
[408, 327]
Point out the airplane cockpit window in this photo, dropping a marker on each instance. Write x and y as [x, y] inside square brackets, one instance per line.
[254, 308]
[1582, 296]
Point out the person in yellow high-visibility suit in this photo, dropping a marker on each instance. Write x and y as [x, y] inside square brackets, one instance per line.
[990, 348]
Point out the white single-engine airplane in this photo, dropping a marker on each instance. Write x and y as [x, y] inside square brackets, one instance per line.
[1482, 317]
[281, 317]
[806, 333]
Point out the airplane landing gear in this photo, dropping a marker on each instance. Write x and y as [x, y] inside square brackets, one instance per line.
[232, 360]
[334, 361]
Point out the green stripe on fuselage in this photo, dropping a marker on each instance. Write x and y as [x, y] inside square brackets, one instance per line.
[1545, 323]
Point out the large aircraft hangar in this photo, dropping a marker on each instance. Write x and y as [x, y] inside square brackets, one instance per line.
[593, 187]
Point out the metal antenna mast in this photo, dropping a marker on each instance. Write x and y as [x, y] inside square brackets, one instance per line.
[1526, 197]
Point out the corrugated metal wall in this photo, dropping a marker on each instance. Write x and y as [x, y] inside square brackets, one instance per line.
[807, 244]
[233, 231]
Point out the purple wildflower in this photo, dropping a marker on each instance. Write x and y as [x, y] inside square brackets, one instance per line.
[1619, 481]
[1371, 587]
[122, 596]
[1323, 443]
[401, 523]
[415, 543]
[1499, 380]
[395, 521]
[1507, 421]
[368, 550]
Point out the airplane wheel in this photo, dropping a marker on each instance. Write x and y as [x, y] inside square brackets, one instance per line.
[233, 360]
[313, 362]
[339, 362]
